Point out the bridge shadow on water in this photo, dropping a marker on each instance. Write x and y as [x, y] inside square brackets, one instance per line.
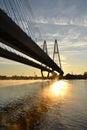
[36, 112]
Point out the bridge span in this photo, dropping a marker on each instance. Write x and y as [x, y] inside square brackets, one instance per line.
[12, 35]
[12, 56]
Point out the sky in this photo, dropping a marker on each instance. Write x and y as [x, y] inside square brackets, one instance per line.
[64, 20]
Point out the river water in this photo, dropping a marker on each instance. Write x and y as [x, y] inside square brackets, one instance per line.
[43, 105]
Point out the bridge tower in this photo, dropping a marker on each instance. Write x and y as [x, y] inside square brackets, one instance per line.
[56, 54]
[45, 47]
[46, 51]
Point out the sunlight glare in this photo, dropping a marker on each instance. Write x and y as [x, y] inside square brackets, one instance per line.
[59, 88]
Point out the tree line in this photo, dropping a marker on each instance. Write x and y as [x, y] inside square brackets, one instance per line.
[75, 76]
[67, 76]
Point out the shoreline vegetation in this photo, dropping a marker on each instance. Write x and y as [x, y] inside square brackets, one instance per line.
[75, 76]
[67, 76]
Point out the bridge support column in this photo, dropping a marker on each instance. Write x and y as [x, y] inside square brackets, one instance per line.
[46, 51]
[43, 76]
[56, 51]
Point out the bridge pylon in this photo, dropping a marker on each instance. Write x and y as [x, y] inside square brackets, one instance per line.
[46, 51]
[45, 47]
[56, 53]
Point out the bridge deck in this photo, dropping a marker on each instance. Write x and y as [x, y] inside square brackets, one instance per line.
[12, 35]
[12, 56]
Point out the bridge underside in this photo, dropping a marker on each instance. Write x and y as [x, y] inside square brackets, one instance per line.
[12, 35]
[12, 56]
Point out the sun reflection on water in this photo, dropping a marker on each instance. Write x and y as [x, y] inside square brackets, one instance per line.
[58, 88]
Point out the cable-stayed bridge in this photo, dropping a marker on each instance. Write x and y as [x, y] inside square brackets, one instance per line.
[16, 32]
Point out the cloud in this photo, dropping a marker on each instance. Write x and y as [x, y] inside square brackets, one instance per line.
[81, 21]
[41, 20]
[61, 12]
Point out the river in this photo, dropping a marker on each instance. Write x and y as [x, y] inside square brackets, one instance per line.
[43, 105]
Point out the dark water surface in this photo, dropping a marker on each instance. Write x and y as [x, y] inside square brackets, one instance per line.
[48, 105]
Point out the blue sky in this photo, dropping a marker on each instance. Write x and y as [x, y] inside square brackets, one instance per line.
[66, 21]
